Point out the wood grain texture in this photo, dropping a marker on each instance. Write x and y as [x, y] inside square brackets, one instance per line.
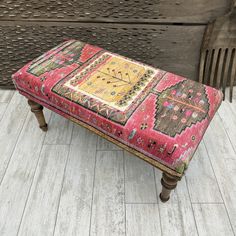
[227, 114]
[76, 198]
[6, 95]
[19, 176]
[175, 220]
[222, 156]
[108, 210]
[10, 127]
[60, 130]
[80, 136]
[220, 145]
[105, 145]
[212, 220]
[201, 181]
[139, 181]
[3, 107]
[41, 208]
[143, 220]
[176, 216]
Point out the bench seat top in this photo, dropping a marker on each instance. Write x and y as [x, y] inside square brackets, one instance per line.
[159, 115]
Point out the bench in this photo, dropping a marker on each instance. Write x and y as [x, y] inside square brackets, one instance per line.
[158, 116]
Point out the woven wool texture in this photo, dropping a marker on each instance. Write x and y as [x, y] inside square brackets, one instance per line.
[159, 114]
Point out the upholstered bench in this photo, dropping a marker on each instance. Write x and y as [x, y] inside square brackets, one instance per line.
[158, 116]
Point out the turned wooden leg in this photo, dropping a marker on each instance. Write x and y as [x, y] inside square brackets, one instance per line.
[37, 109]
[169, 183]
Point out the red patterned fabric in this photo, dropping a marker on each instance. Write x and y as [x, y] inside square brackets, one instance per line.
[157, 113]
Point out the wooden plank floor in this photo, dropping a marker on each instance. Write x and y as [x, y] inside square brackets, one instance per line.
[68, 181]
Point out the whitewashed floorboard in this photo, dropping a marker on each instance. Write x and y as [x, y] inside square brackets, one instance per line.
[142, 220]
[227, 113]
[19, 175]
[105, 145]
[107, 213]
[3, 107]
[59, 130]
[139, 181]
[223, 159]
[218, 141]
[176, 215]
[212, 220]
[76, 198]
[177, 220]
[42, 205]
[6, 95]
[201, 181]
[10, 127]
[80, 135]
[108, 209]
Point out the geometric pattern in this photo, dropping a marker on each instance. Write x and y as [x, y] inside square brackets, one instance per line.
[113, 80]
[174, 113]
[155, 113]
[111, 85]
[68, 55]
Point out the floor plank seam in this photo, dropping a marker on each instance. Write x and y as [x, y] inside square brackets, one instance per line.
[141, 203]
[208, 155]
[91, 207]
[158, 201]
[13, 93]
[7, 104]
[187, 187]
[72, 131]
[36, 166]
[227, 133]
[62, 183]
[208, 203]
[124, 192]
[15, 145]
[109, 150]
[132, 208]
[57, 144]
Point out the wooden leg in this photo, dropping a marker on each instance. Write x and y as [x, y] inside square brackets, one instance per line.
[169, 183]
[37, 109]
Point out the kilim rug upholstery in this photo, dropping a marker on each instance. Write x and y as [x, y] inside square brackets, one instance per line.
[158, 115]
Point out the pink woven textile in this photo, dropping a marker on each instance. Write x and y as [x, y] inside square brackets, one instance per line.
[157, 113]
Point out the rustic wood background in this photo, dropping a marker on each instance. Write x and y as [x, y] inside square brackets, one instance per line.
[166, 34]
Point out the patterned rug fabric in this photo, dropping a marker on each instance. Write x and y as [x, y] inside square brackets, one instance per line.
[159, 114]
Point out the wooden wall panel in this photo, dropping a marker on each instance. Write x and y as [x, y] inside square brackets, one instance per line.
[172, 48]
[166, 34]
[148, 11]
